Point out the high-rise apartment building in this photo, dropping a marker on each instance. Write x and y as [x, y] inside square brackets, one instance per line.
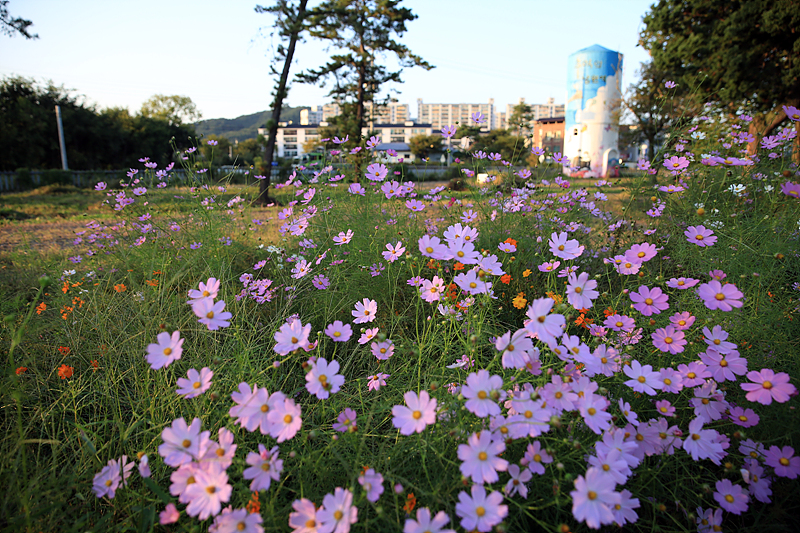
[442, 115]
[391, 113]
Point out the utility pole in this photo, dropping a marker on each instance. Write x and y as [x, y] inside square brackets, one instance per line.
[61, 139]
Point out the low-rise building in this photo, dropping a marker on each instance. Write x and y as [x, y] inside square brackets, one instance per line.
[548, 134]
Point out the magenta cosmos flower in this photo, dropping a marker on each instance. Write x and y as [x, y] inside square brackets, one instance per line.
[425, 524]
[731, 497]
[416, 415]
[479, 457]
[543, 325]
[594, 497]
[291, 336]
[581, 291]
[669, 339]
[676, 163]
[700, 236]
[783, 461]
[649, 301]
[768, 386]
[715, 295]
[212, 314]
[365, 311]
[791, 189]
[563, 248]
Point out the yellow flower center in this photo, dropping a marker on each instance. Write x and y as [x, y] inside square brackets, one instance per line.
[742, 418]
[560, 247]
[537, 458]
[210, 315]
[767, 385]
[606, 468]
[264, 408]
[220, 452]
[211, 490]
[311, 523]
[592, 495]
[337, 334]
[592, 411]
[480, 511]
[429, 250]
[338, 515]
[167, 351]
[265, 467]
[578, 290]
[482, 456]
[729, 498]
[559, 394]
[719, 296]
[417, 415]
[641, 379]
[482, 395]
[648, 301]
[287, 419]
[619, 324]
[196, 385]
[294, 340]
[186, 443]
[783, 461]
[667, 381]
[668, 340]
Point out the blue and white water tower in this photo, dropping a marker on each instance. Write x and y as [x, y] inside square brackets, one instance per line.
[591, 124]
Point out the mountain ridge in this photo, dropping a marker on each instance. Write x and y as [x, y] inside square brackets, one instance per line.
[244, 126]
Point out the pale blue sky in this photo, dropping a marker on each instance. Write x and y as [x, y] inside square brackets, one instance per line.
[120, 52]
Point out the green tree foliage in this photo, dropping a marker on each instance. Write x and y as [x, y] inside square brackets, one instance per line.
[107, 139]
[503, 142]
[12, 25]
[422, 146]
[654, 109]
[745, 53]
[521, 119]
[174, 109]
[290, 23]
[363, 30]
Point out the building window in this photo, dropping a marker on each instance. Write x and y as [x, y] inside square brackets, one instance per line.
[290, 132]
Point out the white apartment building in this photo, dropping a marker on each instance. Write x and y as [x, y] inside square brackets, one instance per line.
[391, 113]
[443, 115]
[290, 138]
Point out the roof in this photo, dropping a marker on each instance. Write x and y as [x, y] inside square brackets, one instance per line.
[596, 48]
[398, 147]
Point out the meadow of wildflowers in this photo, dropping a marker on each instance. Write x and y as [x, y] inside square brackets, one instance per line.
[520, 356]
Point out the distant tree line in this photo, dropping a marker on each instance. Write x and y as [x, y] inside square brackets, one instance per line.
[95, 139]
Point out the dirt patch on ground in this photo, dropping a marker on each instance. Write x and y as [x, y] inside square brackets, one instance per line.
[42, 237]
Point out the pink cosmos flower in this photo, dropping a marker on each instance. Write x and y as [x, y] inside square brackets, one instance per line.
[581, 291]
[382, 350]
[368, 335]
[372, 482]
[471, 283]
[593, 498]
[212, 314]
[592, 408]
[432, 247]
[783, 461]
[168, 349]
[195, 383]
[343, 238]
[183, 443]
[707, 520]
[682, 283]
[682, 321]
[695, 373]
[265, 467]
[337, 512]
[743, 417]
[291, 336]
[718, 296]
[669, 340]
[237, 520]
[208, 492]
[339, 332]
[482, 391]
[169, 515]
[209, 289]
[676, 163]
[253, 407]
[285, 419]
[346, 421]
[516, 485]
[424, 523]
[791, 189]
[479, 457]
[702, 443]
[619, 323]
[323, 380]
[543, 325]
[376, 172]
[480, 511]
[643, 379]
[416, 415]
[431, 291]
[377, 381]
[107, 481]
[394, 251]
[768, 386]
[563, 248]
[724, 367]
[641, 253]
[700, 236]
[731, 497]
[649, 301]
[365, 311]
[305, 519]
[535, 455]
[514, 348]
[664, 408]
[716, 339]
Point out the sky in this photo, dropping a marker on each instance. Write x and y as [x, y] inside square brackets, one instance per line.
[118, 53]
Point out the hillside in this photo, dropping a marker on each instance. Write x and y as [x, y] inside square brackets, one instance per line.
[245, 126]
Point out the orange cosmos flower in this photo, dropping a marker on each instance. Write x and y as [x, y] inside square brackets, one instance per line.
[65, 371]
[505, 278]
